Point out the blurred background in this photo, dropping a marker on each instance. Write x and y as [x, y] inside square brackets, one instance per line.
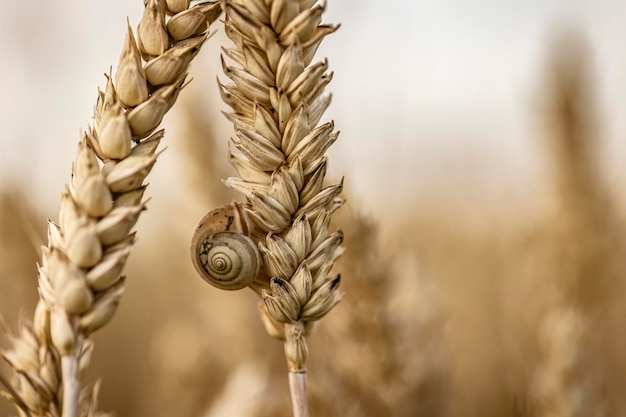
[482, 147]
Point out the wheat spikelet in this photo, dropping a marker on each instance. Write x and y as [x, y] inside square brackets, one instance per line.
[80, 282]
[277, 100]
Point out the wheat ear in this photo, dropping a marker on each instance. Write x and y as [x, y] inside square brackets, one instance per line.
[80, 282]
[277, 100]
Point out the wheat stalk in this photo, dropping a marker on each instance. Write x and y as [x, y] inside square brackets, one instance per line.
[277, 100]
[564, 382]
[80, 282]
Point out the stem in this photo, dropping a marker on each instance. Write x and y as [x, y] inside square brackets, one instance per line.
[71, 385]
[297, 386]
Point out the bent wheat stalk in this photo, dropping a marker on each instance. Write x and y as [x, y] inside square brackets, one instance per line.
[80, 282]
[277, 100]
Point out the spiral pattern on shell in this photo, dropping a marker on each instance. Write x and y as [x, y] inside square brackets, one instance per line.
[227, 260]
[221, 262]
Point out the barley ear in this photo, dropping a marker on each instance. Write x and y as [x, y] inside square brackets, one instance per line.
[80, 281]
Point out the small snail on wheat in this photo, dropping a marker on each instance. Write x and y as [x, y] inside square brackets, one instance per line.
[222, 251]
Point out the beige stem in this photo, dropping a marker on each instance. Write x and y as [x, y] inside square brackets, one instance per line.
[71, 385]
[297, 386]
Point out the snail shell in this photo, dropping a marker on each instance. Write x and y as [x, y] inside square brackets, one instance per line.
[222, 251]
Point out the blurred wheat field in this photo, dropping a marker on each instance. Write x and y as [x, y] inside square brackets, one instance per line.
[458, 303]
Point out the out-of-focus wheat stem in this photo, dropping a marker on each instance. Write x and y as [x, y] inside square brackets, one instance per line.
[80, 282]
[564, 384]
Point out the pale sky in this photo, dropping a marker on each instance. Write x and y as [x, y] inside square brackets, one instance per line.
[427, 94]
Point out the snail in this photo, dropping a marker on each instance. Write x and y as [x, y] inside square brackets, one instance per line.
[222, 251]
